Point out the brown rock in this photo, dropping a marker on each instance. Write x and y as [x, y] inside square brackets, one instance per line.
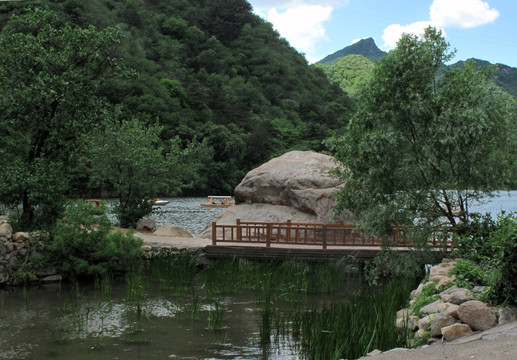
[431, 308]
[508, 314]
[424, 322]
[444, 282]
[21, 236]
[145, 225]
[477, 315]
[6, 230]
[172, 231]
[438, 272]
[456, 295]
[441, 321]
[455, 331]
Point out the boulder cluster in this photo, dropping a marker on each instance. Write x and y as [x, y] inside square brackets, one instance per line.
[18, 253]
[454, 313]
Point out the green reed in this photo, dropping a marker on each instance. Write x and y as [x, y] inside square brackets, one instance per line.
[215, 316]
[355, 326]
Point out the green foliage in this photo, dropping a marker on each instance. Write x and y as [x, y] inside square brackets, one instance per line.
[468, 274]
[52, 74]
[204, 69]
[350, 72]
[504, 288]
[422, 148]
[83, 243]
[127, 156]
[489, 251]
[426, 297]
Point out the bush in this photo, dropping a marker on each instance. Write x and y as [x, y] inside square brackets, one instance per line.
[83, 243]
[489, 251]
[504, 263]
[468, 274]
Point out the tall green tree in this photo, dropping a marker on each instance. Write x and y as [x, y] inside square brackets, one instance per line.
[127, 156]
[421, 148]
[51, 74]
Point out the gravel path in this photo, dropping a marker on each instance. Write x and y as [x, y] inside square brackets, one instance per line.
[498, 343]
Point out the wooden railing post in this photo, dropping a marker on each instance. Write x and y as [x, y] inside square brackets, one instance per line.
[288, 234]
[268, 235]
[239, 230]
[214, 234]
[324, 236]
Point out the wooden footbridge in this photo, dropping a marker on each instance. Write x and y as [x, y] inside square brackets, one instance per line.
[265, 240]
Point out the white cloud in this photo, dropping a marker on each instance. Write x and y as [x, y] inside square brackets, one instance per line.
[462, 13]
[393, 32]
[288, 4]
[302, 26]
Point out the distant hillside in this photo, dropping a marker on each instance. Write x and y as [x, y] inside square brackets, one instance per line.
[349, 72]
[210, 70]
[505, 76]
[364, 47]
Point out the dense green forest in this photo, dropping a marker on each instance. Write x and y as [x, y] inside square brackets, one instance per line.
[210, 72]
[353, 64]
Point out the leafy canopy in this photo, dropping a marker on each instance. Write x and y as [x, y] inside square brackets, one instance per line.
[52, 74]
[422, 148]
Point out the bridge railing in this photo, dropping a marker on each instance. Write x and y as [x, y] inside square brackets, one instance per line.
[324, 235]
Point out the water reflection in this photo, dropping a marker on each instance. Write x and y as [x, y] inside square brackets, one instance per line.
[57, 322]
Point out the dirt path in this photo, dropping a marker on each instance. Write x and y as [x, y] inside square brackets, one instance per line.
[499, 343]
[173, 242]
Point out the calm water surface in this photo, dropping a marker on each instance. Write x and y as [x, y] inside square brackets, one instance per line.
[57, 322]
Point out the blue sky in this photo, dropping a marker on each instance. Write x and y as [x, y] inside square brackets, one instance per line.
[484, 29]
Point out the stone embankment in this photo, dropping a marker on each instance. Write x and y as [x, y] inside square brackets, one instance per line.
[452, 313]
[19, 253]
[24, 258]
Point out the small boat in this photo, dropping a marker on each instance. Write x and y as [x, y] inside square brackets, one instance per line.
[160, 202]
[218, 202]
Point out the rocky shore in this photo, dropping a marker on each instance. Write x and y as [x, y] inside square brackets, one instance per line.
[441, 312]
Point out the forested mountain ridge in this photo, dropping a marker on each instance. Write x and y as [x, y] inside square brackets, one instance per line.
[364, 47]
[504, 76]
[346, 69]
[215, 72]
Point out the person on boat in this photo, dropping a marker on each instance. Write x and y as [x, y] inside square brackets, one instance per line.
[226, 201]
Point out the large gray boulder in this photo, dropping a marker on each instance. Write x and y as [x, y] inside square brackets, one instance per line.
[298, 179]
[296, 186]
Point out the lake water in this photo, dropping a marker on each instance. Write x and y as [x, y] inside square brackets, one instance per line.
[186, 211]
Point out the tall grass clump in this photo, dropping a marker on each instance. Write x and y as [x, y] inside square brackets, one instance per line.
[174, 272]
[352, 328]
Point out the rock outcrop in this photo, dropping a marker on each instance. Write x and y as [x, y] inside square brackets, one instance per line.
[172, 231]
[296, 186]
[453, 312]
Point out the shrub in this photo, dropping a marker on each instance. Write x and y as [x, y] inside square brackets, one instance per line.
[489, 249]
[504, 263]
[468, 274]
[83, 243]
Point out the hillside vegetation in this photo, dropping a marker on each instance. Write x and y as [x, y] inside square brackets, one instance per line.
[346, 69]
[211, 71]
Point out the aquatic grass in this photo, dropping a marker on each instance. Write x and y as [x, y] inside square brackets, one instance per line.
[352, 328]
[173, 271]
[215, 316]
[195, 306]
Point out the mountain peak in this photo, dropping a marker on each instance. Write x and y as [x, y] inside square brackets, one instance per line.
[365, 47]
